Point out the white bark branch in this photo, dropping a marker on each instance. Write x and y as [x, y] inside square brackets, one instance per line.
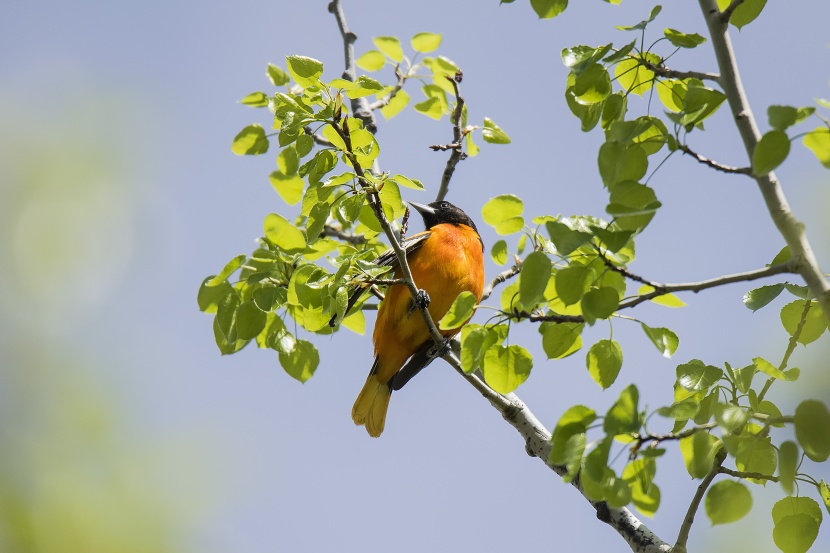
[790, 228]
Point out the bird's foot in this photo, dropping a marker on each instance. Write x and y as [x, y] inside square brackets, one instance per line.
[439, 350]
[421, 301]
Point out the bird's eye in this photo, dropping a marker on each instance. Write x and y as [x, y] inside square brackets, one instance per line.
[444, 205]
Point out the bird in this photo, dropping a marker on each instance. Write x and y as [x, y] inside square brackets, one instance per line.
[447, 258]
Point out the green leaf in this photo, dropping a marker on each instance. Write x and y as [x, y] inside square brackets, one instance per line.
[250, 141]
[623, 417]
[633, 205]
[700, 102]
[255, 100]
[795, 533]
[460, 311]
[431, 107]
[730, 417]
[770, 152]
[783, 117]
[666, 300]
[727, 501]
[672, 93]
[635, 77]
[683, 40]
[372, 60]
[209, 297]
[226, 317]
[695, 376]
[758, 298]
[680, 410]
[493, 134]
[283, 234]
[824, 491]
[407, 182]
[604, 362]
[426, 42]
[533, 279]
[227, 270]
[505, 368]
[663, 339]
[250, 320]
[390, 46]
[642, 24]
[768, 369]
[547, 9]
[568, 438]
[621, 163]
[812, 429]
[396, 105]
[787, 465]
[743, 378]
[300, 361]
[498, 253]
[699, 452]
[818, 141]
[814, 325]
[571, 283]
[277, 76]
[796, 522]
[565, 238]
[600, 303]
[305, 71]
[503, 213]
[561, 339]
[290, 188]
[476, 340]
[593, 85]
[747, 12]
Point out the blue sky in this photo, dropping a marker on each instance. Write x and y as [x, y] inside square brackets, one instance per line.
[121, 194]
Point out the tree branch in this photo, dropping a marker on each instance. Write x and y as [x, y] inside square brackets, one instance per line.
[499, 278]
[457, 153]
[654, 439]
[714, 164]
[790, 228]
[663, 289]
[383, 102]
[663, 71]
[537, 444]
[334, 232]
[683, 535]
[742, 474]
[360, 106]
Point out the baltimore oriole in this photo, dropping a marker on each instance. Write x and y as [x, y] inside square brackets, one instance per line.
[445, 260]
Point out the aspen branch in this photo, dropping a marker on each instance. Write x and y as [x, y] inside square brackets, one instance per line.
[742, 474]
[499, 278]
[790, 228]
[714, 164]
[663, 71]
[683, 535]
[457, 153]
[334, 232]
[383, 102]
[360, 106]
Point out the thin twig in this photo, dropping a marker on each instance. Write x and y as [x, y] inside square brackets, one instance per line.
[318, 139]
[777, 206]
[683, 535]
[663, 71]
[742, 474]
[457, 154]
[499, 278]
[714, 164]
[790, 349]
[663, 289]
[625, 272]
[654, 439]
[334, 232]
[383, 102]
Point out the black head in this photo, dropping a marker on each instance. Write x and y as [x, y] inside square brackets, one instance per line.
[437, 213]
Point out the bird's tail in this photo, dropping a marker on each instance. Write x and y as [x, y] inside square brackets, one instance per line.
[371, 405]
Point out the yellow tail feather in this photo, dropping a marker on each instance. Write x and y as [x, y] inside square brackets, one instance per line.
[371, 405]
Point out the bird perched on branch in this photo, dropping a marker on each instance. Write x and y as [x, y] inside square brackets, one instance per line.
[445, 260]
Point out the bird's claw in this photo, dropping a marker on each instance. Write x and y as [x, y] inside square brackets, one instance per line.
[439, 350]
[421, 301]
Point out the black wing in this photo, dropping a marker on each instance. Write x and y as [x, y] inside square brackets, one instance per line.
[386, 259]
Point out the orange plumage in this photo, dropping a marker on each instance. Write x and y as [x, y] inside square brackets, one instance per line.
[445, 260]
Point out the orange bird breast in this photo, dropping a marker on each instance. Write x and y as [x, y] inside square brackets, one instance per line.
[449, 262]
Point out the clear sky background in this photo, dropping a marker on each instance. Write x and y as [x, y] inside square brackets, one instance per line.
[119, 193]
